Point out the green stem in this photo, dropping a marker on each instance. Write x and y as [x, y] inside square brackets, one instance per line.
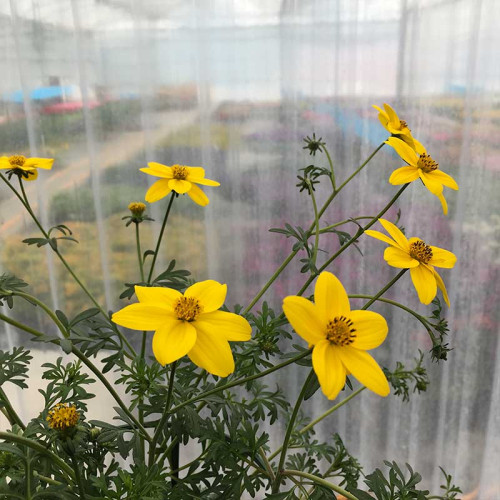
[320, 481]
[359, 232]
[326, 229]
[139, 253]
[158, 243]
[240, 381]
[12, 415]
[267, 465]
[332, 172]
[289, 430]
[89, 364]
[330, 411]
[24, 200]
[292, 254]
[157, 434]
[35, 445]
[316, 223]
[383, 290]
[78, 476]
[46, 479]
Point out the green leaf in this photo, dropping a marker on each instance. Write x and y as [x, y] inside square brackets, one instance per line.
[66, 345]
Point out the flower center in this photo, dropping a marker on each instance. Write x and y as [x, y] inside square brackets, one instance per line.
[179, 172]
[63, 416]
[403, 125]
[420, 251]
[17, 160]
[426, 163]
[340, 332]
[188, 308]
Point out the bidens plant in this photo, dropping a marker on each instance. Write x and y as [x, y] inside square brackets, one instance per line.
[205, 392]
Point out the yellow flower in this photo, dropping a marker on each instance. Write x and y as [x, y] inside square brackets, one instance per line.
[399, 128]
[63, 417]
[340, 336]
[137, 208]
[178, 178]
[420, 165]
[25, 167]
[188, 324]
[420, 258]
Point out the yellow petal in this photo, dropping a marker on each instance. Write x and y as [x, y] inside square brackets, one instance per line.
[381, 111]
[443, 203]
[231, 326]
[305, 319]
[157, 173]
[330, 297]
[164, 170]
[195, 172]
[440, 284]
[210, 293]
[143, 317]
[442, 258]
[5, 163]
[211, 351]
[198, 196]
[396, 234]
[382, 237]
[33, 174]
[155, 295]
[171, 342]
[403, 175]
[419, 147]
[45, 163]
[403, 150]
[203, 181]
[424, 282]
[444, 179]
[365, 369]
[371, 329]
[395, 257]
[329, 369]
[179, 186]
[393, 117]
[158, 191]
[433, 185]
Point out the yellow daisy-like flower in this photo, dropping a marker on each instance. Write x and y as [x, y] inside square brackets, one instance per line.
[178, 178]
[26, 167]
[399, 128]
[188, 323]
[420, 165]
[63, 417]
[419, 258]
[340, 336]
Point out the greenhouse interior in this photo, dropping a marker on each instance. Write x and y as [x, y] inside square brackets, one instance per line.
[282, 102]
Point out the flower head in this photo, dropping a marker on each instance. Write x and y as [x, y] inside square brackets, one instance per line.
[178, 178]
[23, 167]
[420, 165]
[314, 145]
[188, 323]
[420, 258]
[340, 336]
[63, 417]
[137, 208]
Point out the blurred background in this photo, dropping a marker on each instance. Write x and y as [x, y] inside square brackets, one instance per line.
[104, 86]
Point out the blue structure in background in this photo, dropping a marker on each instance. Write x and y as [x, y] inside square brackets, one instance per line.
[40, 93]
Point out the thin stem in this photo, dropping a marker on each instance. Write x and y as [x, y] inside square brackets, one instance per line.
[332, 172]
[383, 290]
[40, 448]
[13, 417]
[319, 481]
[24, 200]
[316, 223]
[330, 411]
[299, 486]
[293, 253]
[269, 469]
[289, 430]
[341, 223]
[87, 363]
[359, 232]
[46, 479]
[239, 381]
[78, 476]
[157, 434]
[139, 253]
[158, 243]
